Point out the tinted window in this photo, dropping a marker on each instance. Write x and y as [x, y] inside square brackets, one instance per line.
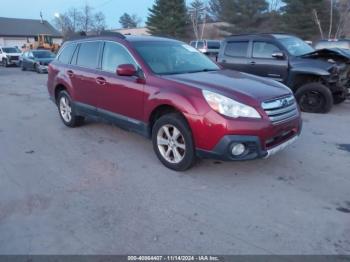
[193, 44]
[237, 49]
[66, 54]
[88, 54]
[10, 50]
[264, 50]
[213, 44]
[115, 55]
[333, 44]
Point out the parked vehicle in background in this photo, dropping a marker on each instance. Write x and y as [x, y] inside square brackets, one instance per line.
[208, 47]
[318, 78]
[167, 91]
[43, 41]
[333, 43]
[37, 60]
[9, 56]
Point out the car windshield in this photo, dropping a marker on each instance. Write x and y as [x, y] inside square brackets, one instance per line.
[295, 46]
[168, 58]
[43, 54]
[10, 50]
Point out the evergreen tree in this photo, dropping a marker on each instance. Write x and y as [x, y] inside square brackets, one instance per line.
[243, 15]
[298, 17]
[129, 21]
[168, 18]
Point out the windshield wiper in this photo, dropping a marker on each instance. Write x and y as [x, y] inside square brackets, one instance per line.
[202, 70]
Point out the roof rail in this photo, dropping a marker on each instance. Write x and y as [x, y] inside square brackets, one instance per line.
[110, 33]
[83, 35]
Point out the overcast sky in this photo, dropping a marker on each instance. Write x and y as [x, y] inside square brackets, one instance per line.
[112, 9]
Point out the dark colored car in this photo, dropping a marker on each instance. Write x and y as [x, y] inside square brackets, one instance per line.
[333, 43]
[37, 60]
[168, 91]
[318, 78]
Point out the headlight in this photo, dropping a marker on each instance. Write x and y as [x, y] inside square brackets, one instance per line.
[229, 107]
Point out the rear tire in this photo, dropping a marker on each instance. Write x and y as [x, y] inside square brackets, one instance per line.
[314, 98]
[173, 143]
[67, 111]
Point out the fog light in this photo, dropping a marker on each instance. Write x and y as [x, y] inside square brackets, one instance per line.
[238, 149]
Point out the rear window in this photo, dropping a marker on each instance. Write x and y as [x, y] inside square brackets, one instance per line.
[88, 54]
[200, 44]
[213, 45]
[333, 44]
[66, 55]
[237, 49]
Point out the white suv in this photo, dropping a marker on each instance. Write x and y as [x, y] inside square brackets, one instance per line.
[10, 56]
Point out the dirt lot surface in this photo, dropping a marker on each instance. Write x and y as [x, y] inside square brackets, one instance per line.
[100, 190]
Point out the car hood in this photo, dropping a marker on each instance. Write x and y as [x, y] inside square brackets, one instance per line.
[329, 53]
[13, 54]
[311, 62]
[234, 84]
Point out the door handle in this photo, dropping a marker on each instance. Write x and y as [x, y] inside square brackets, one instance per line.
[101, 81]
[253, 63]
[70, 73]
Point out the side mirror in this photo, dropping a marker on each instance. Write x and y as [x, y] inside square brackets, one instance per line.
[126, 70]
[278, 55]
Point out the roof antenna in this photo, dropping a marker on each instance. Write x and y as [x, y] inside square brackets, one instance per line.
[41, 16]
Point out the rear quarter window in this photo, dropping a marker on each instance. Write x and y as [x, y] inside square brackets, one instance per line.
[237, 49]
[66, 54]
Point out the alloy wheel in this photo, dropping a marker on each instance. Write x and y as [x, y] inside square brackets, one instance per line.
[65, 109]
[171, 144]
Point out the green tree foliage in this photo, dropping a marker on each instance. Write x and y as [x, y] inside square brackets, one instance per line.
[168, 18]
[298, 17]
[129, 21]
[243, 15]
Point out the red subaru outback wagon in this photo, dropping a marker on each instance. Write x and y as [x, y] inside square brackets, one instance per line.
[166, 90]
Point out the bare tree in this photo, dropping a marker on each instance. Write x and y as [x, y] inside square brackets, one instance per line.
[318, 22]
[275, 5]
[344, 8]
[86, 19]
[198, 14]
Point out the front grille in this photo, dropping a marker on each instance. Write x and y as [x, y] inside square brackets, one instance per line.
[15, 58]
[281, 110]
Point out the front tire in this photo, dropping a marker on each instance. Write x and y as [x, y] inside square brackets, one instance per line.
[67, 111]
[314, 98]
[5, 63]
[173, 143]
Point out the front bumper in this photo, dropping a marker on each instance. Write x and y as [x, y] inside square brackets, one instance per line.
[43, 68]
[260, 145]
[254, 149]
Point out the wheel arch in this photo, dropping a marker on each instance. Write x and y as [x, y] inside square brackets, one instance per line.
[162, 110]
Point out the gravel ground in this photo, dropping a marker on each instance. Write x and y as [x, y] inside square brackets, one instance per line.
[100, 190]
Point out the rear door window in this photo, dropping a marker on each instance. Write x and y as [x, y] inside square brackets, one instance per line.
[237, 49]
[264, 50]
[88, 55]
[66, 54]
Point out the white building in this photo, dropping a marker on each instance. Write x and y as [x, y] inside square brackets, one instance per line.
[19, 32]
